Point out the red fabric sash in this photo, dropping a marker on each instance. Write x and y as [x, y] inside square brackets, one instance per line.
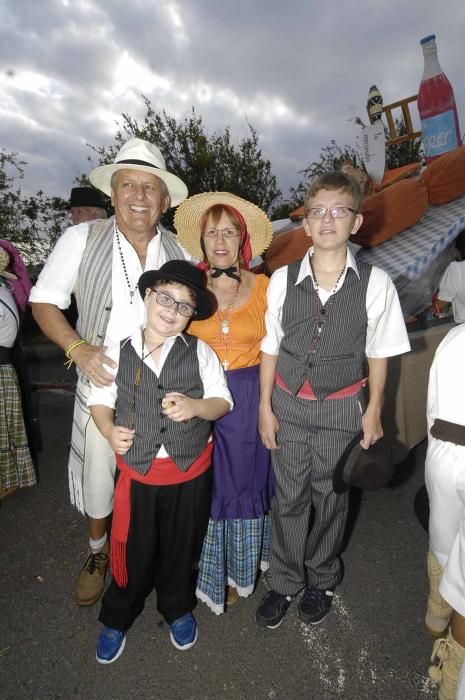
[122, 506]
[306, 391]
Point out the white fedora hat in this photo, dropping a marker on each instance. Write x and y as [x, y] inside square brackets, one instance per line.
[137, 154]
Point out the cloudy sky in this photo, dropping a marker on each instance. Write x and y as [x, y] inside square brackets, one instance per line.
[297, 70]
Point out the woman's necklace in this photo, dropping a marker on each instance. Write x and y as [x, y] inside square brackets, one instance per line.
[123, 263]
[323, 311]
[223, 315]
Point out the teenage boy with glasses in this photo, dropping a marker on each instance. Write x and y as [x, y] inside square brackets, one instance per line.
[328, 317]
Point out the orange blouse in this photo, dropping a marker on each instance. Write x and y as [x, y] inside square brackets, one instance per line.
[246, 329]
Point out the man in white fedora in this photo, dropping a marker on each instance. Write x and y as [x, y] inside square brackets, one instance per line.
[101, 262]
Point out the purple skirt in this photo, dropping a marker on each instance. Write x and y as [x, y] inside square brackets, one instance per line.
[242, 474]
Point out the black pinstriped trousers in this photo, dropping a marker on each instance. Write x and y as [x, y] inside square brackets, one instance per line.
[312, 436]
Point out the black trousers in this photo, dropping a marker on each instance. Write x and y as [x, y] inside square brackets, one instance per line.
[166, 532]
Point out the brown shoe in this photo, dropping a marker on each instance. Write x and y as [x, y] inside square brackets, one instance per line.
[91, 580]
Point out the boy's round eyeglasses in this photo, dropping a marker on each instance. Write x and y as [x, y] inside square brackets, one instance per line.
[226, 232]
[167, 300]
[335, 212]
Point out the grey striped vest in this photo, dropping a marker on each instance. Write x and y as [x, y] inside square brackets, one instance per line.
[184, 442]
[93, 285]
[338, 359]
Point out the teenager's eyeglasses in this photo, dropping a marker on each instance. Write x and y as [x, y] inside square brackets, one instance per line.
[226, 232]
[167, 300]
[335, 212]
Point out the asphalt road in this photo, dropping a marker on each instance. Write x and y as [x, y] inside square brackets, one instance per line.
[372, 645]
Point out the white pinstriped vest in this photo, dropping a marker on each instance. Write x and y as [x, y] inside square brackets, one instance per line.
[338, 359]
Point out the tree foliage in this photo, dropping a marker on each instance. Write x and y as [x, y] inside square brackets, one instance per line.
[31, 223]
[205, 162]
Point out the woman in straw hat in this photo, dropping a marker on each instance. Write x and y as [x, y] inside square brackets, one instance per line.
[16, 468]
[227, 232]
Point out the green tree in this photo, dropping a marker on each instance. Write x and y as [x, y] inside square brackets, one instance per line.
[31, 223]
[331, 158]
[404, 153]
[206, 162]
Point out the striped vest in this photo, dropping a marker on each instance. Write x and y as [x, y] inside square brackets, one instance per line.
[338, 357]
[184, 442]
[93, 285]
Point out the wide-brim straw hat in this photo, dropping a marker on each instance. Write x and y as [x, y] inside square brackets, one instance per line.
[189, 216]
[137, 154]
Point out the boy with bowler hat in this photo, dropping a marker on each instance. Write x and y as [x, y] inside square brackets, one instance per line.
[156, 415]
[328, 317]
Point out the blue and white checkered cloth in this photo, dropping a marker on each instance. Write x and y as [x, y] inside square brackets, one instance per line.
[411, 252]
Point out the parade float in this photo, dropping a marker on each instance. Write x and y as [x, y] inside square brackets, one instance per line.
[412, 216]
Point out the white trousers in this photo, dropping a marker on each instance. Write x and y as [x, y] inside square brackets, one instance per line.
[92, 462]
[445, 482]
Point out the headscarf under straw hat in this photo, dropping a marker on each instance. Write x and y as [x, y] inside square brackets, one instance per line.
[190, 216]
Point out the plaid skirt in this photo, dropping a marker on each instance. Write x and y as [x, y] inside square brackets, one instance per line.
[233, 553]
[16, 468]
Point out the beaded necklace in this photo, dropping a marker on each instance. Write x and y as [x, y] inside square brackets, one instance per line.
[131, 290]
[223, 315]
[323, 311]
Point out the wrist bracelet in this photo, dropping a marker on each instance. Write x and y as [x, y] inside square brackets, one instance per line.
[70, 348]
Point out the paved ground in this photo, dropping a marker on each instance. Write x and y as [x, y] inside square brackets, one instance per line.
[372, 646]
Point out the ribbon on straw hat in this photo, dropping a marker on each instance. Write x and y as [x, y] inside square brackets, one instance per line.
[190, 215]
[137, 154]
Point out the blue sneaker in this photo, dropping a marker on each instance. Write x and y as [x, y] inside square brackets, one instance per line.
[110, 645]
[183, 632]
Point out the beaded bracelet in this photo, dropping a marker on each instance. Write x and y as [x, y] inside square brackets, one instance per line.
[70, 348]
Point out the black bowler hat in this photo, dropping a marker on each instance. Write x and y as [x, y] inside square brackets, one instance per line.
[369, 469]
[187, 274]
[86, 197]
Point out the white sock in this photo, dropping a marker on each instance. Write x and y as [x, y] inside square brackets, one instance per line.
[97, 545]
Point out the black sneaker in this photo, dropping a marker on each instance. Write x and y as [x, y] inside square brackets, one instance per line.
[271, 611]
[314, 605]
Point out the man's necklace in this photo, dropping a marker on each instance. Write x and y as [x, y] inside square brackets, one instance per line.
[131, 290]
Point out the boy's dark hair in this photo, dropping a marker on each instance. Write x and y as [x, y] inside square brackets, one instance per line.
[334, 180]
[159, 283]
[460, 244]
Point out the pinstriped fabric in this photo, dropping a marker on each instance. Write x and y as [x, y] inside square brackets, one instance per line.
[331, 365]
[311, 437]
[81, 417]
[183, 441]
[93, 285]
